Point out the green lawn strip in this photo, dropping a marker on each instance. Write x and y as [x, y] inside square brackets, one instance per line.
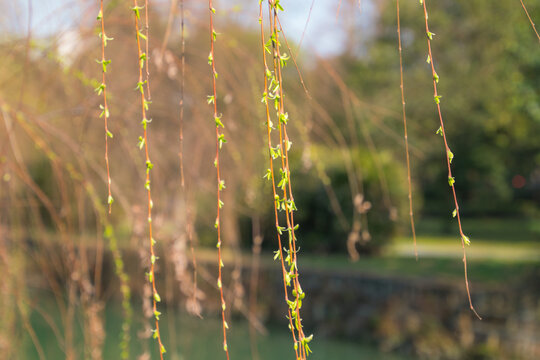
[448, 246]
[484, 229]
[486, 271]
[491, 271]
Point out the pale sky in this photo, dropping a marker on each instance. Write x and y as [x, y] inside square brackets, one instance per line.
[325, 32]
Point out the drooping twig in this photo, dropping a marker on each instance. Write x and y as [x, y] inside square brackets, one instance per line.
[102, 89]
[143, 143]
[411, 214]
[530, 20]
[449, 154]
[220, 140]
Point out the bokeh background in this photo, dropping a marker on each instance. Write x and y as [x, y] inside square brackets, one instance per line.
[367, 297]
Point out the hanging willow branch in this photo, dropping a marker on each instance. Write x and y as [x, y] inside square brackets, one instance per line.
[530, 20]
[220, 140]
[102, 89]
[449, 155]
[143, 143]
[409, 182]
[273, 94]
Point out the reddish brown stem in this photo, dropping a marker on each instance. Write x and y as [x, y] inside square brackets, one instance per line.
[213, 34]
[409, 182]
[272, 177]
[447, 149]
[105, 106]
[287, 200]
[530, 20]
[144, 104]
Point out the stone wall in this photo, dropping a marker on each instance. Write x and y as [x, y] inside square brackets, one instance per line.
[427, 319]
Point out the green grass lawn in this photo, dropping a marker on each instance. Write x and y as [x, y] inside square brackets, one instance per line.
[501, 250]
[450, 247]
[492, 230]
[484, 271]
[491, 239]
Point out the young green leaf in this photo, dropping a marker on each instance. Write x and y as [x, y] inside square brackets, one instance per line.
[136, 11]
[450, 156]
[100, 88]
[140, 144]
[217, 119]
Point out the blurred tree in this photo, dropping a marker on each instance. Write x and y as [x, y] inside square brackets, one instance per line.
[490, 82]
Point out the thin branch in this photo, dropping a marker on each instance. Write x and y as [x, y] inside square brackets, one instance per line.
[437, 97]
[220, 140]
[530, 20]
[411, 214]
